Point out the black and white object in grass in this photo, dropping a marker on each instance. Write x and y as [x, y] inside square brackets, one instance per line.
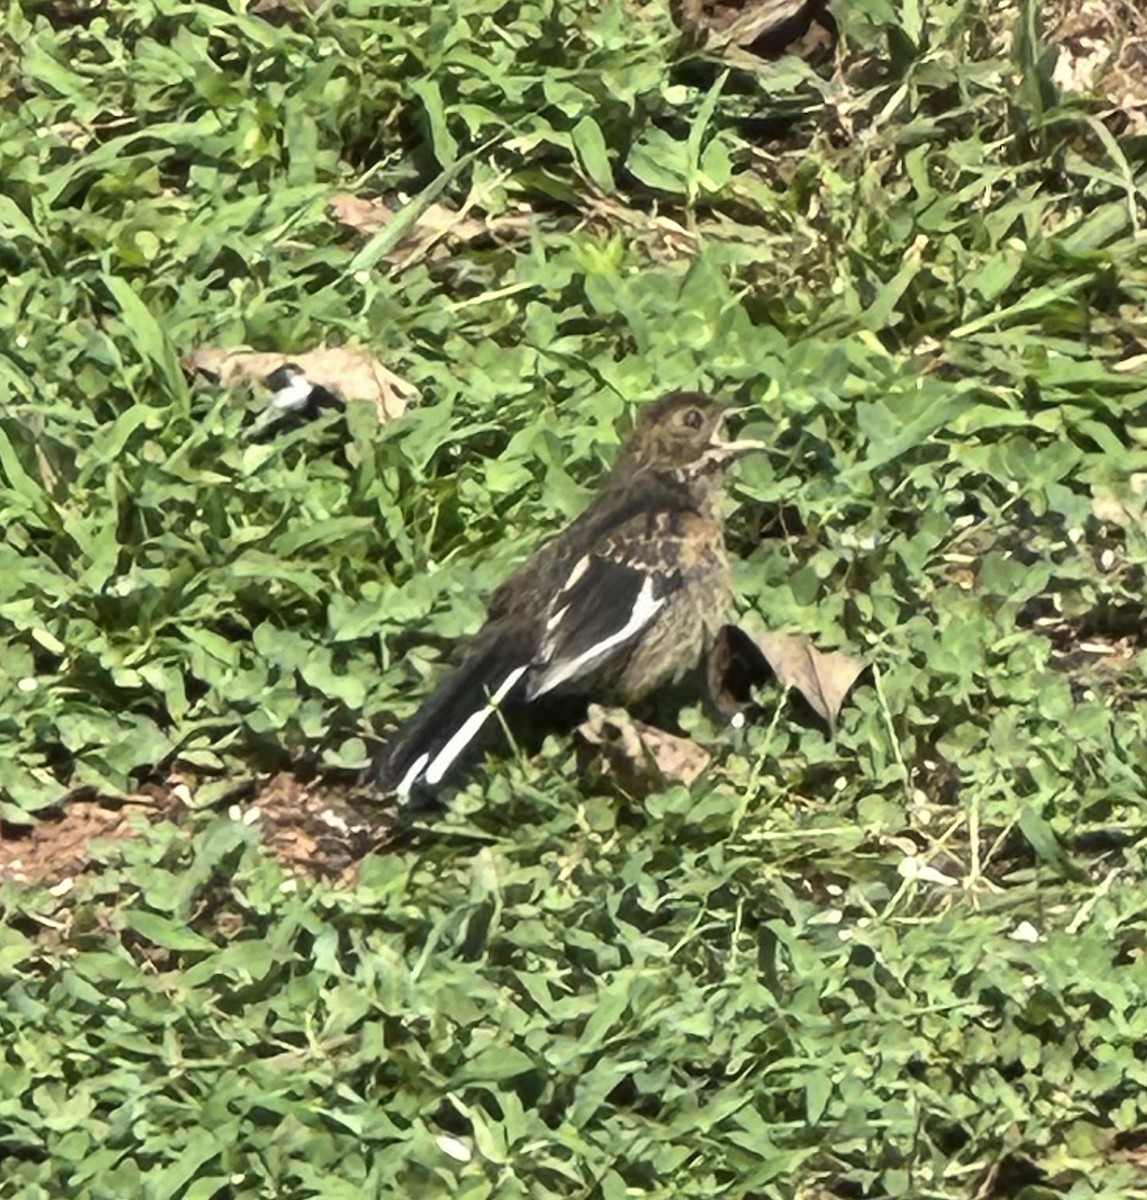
[295, 402]
[603, 606]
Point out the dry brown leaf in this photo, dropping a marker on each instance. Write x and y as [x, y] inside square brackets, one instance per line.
[631, 748]
[344, 370]
[736, 667]
[822, 677]
[369, 216]
[48, 474]
[741, 662]
[359, 213]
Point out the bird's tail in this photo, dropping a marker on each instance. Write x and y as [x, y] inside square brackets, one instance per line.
[454, 723]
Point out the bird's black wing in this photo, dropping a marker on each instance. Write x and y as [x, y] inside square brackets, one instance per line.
[609, 599]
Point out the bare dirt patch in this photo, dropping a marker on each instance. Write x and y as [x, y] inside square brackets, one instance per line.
[314, 830]
[61, 847]
[311, 828]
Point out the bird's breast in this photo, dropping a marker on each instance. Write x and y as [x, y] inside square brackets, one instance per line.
[674, 644]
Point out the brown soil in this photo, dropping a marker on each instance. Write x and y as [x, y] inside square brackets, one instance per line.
[315, 831]
[311, 829]
[62, 846]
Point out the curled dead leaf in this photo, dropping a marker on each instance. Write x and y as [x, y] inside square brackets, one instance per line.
[634, 751]
[823, 678]
[741, 662]
[736, 668]
[345, 371]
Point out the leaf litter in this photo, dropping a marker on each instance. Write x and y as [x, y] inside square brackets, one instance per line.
[635, 753]
[311, 828]
[1102, 48]
[436, 232]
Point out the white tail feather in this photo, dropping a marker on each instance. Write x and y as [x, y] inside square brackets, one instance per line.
[466, 732]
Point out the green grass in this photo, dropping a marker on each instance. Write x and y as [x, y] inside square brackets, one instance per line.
[921, 268]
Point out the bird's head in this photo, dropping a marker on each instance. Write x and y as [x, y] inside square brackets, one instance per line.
[683, 433]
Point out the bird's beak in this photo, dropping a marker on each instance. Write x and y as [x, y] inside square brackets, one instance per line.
[738, 445]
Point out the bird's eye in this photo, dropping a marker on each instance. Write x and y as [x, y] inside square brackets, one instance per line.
[694, 418]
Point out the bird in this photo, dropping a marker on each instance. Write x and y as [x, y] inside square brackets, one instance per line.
[620, 605]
